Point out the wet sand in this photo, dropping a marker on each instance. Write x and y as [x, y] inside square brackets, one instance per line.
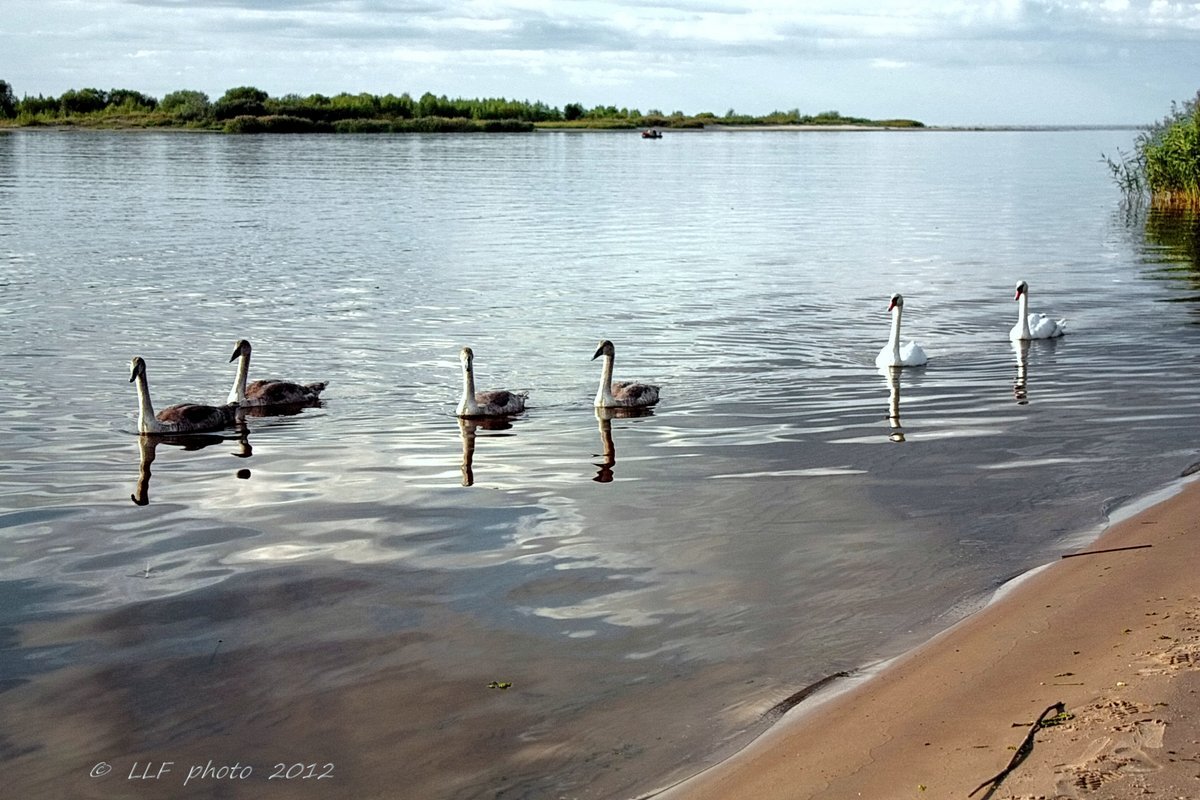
[1114, 636]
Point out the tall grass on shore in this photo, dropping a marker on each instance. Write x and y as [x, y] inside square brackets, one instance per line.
[1165, 162]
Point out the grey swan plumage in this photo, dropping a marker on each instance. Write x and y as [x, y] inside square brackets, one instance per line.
[179, 418]
[496, 403]
[621, 394]
[268, 392]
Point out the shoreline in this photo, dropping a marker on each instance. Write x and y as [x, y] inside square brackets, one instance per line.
[1112, 631]
[714, 128]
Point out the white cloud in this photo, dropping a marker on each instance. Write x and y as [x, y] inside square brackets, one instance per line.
[748, 54]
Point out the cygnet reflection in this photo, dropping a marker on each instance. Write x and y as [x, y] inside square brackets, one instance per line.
[148, 450]
[604, 418]
[466, 430]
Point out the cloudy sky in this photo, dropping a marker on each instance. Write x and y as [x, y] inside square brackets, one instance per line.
[949, 63]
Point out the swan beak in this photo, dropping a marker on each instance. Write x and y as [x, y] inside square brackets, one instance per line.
[892, 304]
[599, 352]
[1017, 296]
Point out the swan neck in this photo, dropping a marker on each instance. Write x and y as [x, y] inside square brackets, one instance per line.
[238, 393]
[468, 404]
[604, 394]
[895, 337]
[1023, 314]
[146, 419]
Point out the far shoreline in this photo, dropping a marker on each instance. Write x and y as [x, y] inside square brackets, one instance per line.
[716, 128]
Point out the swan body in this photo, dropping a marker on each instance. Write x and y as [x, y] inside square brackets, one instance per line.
[893, 353]
[498, 403]
[621, 394]
[180, 418]
[268, 392]
[1033, 326]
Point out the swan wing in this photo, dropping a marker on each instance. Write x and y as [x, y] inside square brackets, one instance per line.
[1043, 327]
[501, 402]
[271, 392]
[196, 417]
[911, 355]
[630, 393]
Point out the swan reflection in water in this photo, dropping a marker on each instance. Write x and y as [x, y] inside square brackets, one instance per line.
[279, 409]
[466, 429]
[896, 434]
[148, 447]
[1021, 350]
[1020, 384]
[604, 418]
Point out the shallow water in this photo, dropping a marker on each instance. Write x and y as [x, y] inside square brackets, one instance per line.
[341, 586]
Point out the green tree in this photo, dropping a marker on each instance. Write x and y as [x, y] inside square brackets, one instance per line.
[186, 104]
[83, 101]
[572, 111]
[396, 107]
[241, 101]
[8, 100]
[428, 105]
[33, 106]
[244, 93]
[129, 100]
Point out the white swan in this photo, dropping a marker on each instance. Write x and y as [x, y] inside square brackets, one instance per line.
[622, 394]
[180, 418]
[892, 354]
[499, 403]
[1033, 326]
[269, 392]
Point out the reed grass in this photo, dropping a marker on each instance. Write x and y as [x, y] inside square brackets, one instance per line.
[275, 123]
[1165, 162]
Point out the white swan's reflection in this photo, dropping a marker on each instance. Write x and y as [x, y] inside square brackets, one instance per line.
[466, 430]
[896, 434]
[148, 450]
[1021, 383]
[604, 418]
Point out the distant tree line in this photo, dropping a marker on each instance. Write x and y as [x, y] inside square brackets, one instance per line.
[246, 109]
[1165, 162]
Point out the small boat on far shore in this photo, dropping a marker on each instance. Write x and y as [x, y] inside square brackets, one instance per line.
[651, 134]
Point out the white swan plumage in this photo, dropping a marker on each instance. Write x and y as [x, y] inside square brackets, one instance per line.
[893, 353]
[268, 392]
[179, 418]
[621, 394]
[1033, 326]
[496, 403]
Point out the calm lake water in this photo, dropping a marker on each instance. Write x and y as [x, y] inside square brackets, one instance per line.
[337, 589]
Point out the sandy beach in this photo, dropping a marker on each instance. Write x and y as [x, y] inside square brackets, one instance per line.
[1113, 634]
